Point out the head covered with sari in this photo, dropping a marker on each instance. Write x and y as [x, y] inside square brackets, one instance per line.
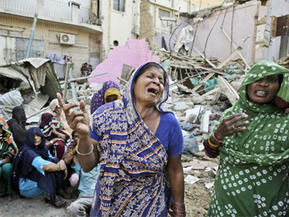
[19, 115]
[257, 159]
[100, 97]
[7, 144]
[42, 149]
[132, 180]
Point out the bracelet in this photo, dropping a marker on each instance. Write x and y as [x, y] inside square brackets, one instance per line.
[73, 151]
[218, 140]
[212, 145]
[85, 154]
[1, 162]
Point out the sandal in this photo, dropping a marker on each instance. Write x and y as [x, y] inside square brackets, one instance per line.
[58, 203]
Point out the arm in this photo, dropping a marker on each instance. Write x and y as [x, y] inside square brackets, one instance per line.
[87, 162]
[53, 167]
[5, 160]
[176, 179]
[78, 120]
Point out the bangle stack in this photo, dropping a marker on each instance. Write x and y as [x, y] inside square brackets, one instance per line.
[217, 139]
[85, 154]
[212, 145]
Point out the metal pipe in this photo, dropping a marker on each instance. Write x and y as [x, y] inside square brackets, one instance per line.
[31, 36]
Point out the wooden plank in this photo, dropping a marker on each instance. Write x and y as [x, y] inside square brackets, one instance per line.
[228, 90]
[204, 80]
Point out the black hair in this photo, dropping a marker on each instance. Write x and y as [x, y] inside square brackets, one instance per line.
[280, 79]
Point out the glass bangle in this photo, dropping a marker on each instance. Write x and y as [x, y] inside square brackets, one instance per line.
[85, 154]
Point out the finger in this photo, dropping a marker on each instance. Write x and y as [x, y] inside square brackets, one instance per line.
[60, 100]
[68, 108]
[82, 106]
[74, 115]
[77, 121]
[242, 124]
[230, 117]
[236, 118]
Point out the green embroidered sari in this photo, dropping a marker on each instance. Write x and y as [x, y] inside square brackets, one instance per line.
[252, 179]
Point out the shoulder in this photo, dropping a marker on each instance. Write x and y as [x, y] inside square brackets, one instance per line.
[169, 118]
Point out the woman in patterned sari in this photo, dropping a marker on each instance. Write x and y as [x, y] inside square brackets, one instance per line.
[8, 150]
[252, 139]
[109, 92]
[139, 148]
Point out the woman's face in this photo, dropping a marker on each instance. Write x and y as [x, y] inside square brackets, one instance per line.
[37, 140]
[264, 90]
[149, 86]
[111, 98]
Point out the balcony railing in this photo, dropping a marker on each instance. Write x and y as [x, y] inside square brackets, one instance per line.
[58, 10]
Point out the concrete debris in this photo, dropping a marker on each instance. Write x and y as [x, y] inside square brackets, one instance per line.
[191, 179]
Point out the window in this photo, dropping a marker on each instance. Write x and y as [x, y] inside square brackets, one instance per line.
[163, 13]
[118, 5]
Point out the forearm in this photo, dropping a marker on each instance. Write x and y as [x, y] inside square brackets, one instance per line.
[87, 154]
[5, 160]
[176, 179]
[51, 167]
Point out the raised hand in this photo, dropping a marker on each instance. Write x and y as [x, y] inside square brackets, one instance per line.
[76, 115]
[231, 125]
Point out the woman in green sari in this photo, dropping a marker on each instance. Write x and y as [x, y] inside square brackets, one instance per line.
[252, 139]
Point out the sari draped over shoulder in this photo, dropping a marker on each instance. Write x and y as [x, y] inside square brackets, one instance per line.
[23, 168]
[132, 179]
[253, 179]
[8, 148]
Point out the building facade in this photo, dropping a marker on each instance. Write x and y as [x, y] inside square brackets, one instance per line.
[63, 31]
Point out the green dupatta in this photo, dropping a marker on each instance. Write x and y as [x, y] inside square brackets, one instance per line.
[252, 179]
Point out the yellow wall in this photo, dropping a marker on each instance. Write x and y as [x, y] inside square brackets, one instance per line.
[86, 41]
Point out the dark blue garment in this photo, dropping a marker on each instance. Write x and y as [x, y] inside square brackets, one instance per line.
[22, 166]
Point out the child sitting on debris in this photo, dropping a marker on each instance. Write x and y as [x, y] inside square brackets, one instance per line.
[55, 136]
[84, 182]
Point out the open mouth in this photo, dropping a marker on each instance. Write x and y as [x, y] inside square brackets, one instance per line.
[153, 91]
[261, 93]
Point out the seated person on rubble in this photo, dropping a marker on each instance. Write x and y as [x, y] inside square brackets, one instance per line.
[36, 172]
[58, 114]
[80, 180]
[17, 125]
[54, 134]
[8, 150]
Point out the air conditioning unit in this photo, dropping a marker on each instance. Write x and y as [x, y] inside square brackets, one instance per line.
[66, 39]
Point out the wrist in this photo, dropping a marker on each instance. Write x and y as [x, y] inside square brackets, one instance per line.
[217, 138]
